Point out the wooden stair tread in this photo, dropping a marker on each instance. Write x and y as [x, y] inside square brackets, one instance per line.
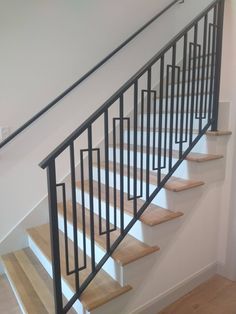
[199, 157]
[153, 215]
[218, 133]
[8, 301]
[196, 157]
[32, 284]
[102, 288]
[174, 184]
[129, 250]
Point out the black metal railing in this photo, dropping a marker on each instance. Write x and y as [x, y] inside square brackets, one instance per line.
[149, 126]
[85, 76]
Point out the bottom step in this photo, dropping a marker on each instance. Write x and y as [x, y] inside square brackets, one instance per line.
[31, 284]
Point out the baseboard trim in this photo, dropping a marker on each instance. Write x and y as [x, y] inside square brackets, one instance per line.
[163, 300]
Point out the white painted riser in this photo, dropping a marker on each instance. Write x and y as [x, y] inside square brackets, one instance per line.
[201, 147]
[196, 88]
[208, 171]
[176, 99]
[182, 171]
[186, 87]
[176, 124]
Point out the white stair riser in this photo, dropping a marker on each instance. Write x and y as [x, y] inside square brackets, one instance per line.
[176, 124]
[201, 147]
[207, 171]
[111, 267]
[139, 229]
[187, 101]
[67, 291]
[160, 200]
[196, 87]
[182, 171]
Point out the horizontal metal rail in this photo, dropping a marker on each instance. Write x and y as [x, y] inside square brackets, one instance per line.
[85, 76]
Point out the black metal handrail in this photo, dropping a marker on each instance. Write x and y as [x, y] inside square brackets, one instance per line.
[174, 102]
[85, 76]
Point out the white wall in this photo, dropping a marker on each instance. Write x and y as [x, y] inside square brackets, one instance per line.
[45, 46]
[227, 235]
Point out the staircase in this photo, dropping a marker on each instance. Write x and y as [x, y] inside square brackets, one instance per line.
[153, 128]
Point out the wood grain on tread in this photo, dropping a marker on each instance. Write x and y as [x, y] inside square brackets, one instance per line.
[196, 157]
[129, 250]
[153, 215]
[31, 282]
[174, 184]
[218, 133]
[102, 288]
[8, 302]
[199, 157]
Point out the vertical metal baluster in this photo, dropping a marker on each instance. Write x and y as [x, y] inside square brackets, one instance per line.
[203, 72]
[172, 106]
[135, 145]
[83, 205]
[188, 92]
[90, 166]
[65, 226]
[130, 197]
[99, 191]
[198, 65]
[114, 172]
[193, 83]
[121, 163]
[166, 116]
[154, 131]
[177, 106]
[208, 66]
[212, 64]
[160, 119]
[142, 143]
[183, 94]
[220, 21]
[74, 213]
[106, 134]
[149, 77]
[54, 236]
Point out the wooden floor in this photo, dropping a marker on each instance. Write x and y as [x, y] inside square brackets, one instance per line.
[8, 303]
[217, 296]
